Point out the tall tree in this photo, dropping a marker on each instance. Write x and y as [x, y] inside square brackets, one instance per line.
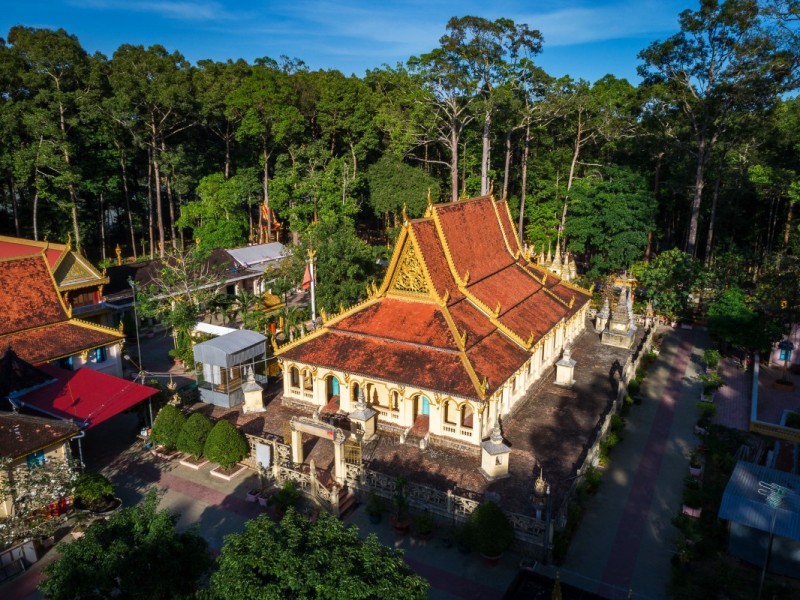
[723, 61]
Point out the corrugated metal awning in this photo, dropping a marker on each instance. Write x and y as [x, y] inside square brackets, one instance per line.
[742, 503]
[231, 349]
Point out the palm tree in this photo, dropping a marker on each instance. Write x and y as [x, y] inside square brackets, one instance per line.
[245, 303]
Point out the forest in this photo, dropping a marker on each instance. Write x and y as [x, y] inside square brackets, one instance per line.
[700, 162]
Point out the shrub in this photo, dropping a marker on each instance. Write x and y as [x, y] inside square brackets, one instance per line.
[167, 427]
[193, 435]
[612, 440]
[423, 523]
[286, 498]
[634, 385]
[375, 504]
[93, 488]
[711, 382]
[641, 373]
[490, 530]
[707, 410]
[617, 423]
[592, 477]
[711, 358]
[225, 444]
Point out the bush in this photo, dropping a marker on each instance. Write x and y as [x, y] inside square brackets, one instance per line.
[286, 498]
[193, 435]
[490, 530]
[711, 382]
[612, 440]
[617, 423]
[634, 385]
[711, 358]
[707, 410]
[167, 427]
[592, 477]
[225, 444]
[93, 488]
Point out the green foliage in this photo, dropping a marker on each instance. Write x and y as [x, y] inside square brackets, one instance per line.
[295, 559]
[610, 217]
[707, 410]
[490, 529]
[286, 498]
[375, 504]
[93, 487]
[617, 423]
[424, 523]
[731, 319]
[634, 385]
[711, 382]
[711, 358]
[193, 434]
[225, 444]
[393, 184]
[669, 281]
[113, 556]
[167, 426]
[593, 479]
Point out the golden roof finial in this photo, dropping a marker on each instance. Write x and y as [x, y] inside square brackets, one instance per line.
[118, 252]
[430, 201]
[572, 300]
[324, 314]
[497, 309]
[197, 242]
[274, 343]
[69, 241]
[491, 188]
[311, 253]
[466, 277]
[405, 214]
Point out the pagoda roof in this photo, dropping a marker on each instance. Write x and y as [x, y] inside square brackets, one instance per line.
[21, 435]
[460, 310]
[35, 321]
[70, 268]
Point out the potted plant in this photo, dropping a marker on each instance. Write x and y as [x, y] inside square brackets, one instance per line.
[695, 465]
[226, 446]
[192, 438]
[491, 532]
[252, 494]
[400, 520]
[375, 507]
[711, 359]
[95, 493]
[167, 428]
[692, 498]
[423, 525]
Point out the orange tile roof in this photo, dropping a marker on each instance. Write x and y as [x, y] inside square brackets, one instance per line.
[451, 338]
[35, 323]
[21, 435]
[11, 247]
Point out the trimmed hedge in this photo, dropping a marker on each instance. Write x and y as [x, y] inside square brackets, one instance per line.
[193, 435]
[491, 533]
[225, 445]
[167, 427]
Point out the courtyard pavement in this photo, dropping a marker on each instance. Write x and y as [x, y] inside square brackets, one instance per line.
[624, 543]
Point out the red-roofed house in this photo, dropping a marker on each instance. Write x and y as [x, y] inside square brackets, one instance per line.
[40, 327]
[79, 283]
[461, 328]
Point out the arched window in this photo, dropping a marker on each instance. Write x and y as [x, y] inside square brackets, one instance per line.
[450, 412]
[395, 401]
[294, 377]
[466, 416]
[308, 380]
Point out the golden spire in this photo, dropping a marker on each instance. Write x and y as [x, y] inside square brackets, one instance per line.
[405, 214]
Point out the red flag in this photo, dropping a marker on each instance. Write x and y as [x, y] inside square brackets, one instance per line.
[307, 278]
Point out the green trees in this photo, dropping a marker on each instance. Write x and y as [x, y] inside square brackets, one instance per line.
[193, 434]
[669, 281]
[167, 426]
[734, 322]
[225, 444]
[294, 559]
[136, 553]
[490, 531]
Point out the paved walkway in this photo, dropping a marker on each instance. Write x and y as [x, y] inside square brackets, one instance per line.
[625, 539]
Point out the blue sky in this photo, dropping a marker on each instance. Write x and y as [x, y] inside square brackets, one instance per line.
[583, 38]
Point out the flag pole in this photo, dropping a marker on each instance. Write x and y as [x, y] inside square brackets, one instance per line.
[312, 259]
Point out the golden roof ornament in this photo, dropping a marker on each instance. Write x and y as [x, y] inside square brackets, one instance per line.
[69, 241]
[118, 252]
[324, 314]
[540, 486]
[405, 214]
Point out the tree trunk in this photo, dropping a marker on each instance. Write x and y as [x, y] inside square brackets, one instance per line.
[173, 237]
[787, 228]
[228, 138]
[73, 194]
[711, 220]
[36, 215]
[656, 185]
[485, 151]
[157, 182]
[126, 196]
[525, 150]
[266, 191]
[102, 227]
[150, 224]
[453, 164]
[575, 155]
[507, 166]
[699, 183]
[12, 190]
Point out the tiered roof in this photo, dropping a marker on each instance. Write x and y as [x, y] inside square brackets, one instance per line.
[70, 268]
[35, 322]
[460, 310]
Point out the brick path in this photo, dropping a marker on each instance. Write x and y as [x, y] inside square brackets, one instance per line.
[733, 398]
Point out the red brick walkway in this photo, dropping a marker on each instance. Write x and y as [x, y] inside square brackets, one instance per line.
[625, 548]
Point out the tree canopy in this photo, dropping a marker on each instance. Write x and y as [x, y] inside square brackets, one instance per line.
[300, 559]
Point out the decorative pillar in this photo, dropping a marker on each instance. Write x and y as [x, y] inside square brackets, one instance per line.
[495, 455]
[364, 418]
[565, 369]
[253, 394]
[297, 444]
[603, 316]
[338, 456]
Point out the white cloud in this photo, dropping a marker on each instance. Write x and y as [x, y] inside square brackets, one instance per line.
[201, 10]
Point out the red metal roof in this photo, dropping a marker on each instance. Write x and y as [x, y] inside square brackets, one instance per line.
[85, 396]
[18, 247]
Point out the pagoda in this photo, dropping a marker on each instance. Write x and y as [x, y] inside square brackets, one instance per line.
[463, 325]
